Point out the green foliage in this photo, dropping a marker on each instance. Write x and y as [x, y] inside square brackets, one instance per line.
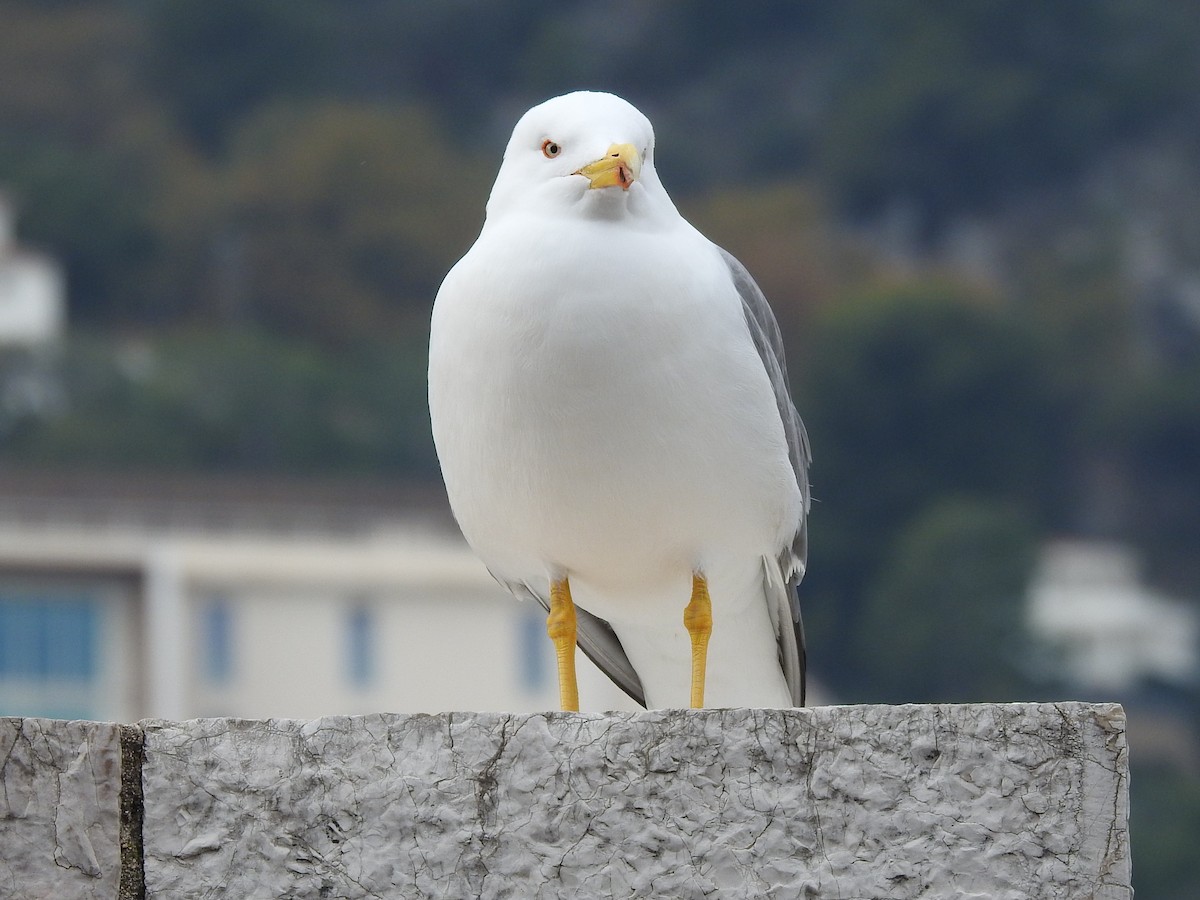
[951, 387]
[237, 402]
[212, 61]
[782, 233]
[145, 111]
[67, 73]
[65, 193]
[1153, 430]
[943, 620]
[346, 215]
[1164, 820]
[957, 104]
[68, 104]
[915, 394]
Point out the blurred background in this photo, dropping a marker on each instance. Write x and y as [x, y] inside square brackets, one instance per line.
[222, 225]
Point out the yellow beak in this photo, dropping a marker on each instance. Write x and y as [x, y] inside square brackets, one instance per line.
[618, 167]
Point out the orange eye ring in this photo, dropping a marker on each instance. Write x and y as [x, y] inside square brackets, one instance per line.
[550, 149]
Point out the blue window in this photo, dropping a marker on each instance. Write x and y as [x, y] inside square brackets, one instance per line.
[534, 647]
[45, 637]
[360, 645]
[216, 634]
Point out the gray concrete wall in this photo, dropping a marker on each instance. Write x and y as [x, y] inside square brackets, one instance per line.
[60, 832]
[997, 801]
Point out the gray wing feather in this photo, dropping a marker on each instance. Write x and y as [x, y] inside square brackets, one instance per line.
[596, 638]
[792, 559]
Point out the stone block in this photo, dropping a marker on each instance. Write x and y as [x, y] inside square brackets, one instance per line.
[60, 786]
[997, 801]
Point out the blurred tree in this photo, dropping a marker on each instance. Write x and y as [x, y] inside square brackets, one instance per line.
[244, 401]
[1153, 426]
[912, 394]
[943, 620]
[67, 72]
[761, 65]
[81, 206]
[458, 57]
[781, 234]
[1164, 819]
[1068, 285]
[70, 110]
[342, 219]
[213, 61]
[947, 105]
[955, 105]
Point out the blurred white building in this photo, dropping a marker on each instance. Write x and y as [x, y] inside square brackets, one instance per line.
[32, 294]
[121, 599]
[1111, 632]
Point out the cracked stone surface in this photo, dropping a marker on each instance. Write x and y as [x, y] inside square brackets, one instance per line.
[60, 784]
[997, 801]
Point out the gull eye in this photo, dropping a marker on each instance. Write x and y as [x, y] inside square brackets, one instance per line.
[550, 149]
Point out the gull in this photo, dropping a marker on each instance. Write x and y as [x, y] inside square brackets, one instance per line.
[611, 413]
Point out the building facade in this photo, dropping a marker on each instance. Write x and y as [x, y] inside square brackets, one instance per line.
[32, 289]
[119, 607]
[1110, 631]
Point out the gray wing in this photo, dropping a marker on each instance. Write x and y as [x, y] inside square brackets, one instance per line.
[781, 575]
[595, 637]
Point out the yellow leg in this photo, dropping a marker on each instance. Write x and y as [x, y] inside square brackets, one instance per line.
[697, 618]
[561, 627]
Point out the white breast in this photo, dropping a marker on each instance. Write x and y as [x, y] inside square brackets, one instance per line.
[600, 410]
